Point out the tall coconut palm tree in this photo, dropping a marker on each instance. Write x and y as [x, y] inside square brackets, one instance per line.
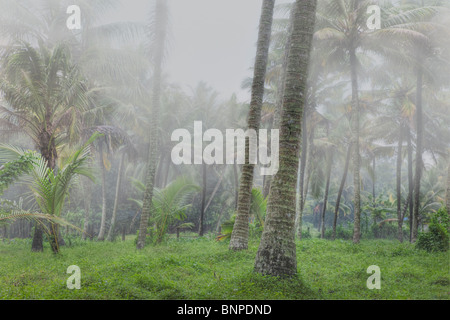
[239, 237]
[276, 253]
[158, 41]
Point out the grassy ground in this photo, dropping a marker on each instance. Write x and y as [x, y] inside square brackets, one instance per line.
[205, 269]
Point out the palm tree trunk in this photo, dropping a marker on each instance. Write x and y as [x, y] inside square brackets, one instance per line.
[447, 197]
[37, 243]
[341, 189]
[419, 162]
[239, 236]
[301, 178]
[410, 181]
[202, 212]
[325, 198]
[101, 233]
[356, 156]
[220, 218]
[399, 183]
[373, 178]
[161, 32]
[87, 207]
[276, 254]
[116, 198]
[236, 184]
[279, 96]
[309, 166]
[216, 188]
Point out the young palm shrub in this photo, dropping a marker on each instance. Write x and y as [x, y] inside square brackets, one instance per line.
[50, 187]
[169, 205]
[257, 214]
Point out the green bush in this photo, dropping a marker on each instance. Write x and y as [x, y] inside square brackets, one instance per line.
[437, 237]
[306, 234]
[341, 233]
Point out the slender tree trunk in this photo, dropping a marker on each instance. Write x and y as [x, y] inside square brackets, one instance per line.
[239, 236]
[374, 178]
[101, 233]
[356, 155]
[87, 206]
[116, 198]
[399, 184]
[301, 177]
[216, 188]
[327, 188]
[447, 197]
[419, 163]
[166, 173]
[236, 184]
[309, 166]
[341, 189]
[202, 213]
[220, 217]
[276, 254]
[410, 182]
[159, 47]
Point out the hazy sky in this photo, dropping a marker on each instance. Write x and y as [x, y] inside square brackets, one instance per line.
[211, 40]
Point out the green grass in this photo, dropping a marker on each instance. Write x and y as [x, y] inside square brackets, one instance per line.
[205, 269]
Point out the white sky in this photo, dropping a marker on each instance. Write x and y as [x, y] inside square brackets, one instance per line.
[211, 40]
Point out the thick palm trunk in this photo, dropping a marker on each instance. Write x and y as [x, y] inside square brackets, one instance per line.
[419, 164]
[356, 156]
[116, 198]
[239, 236]
[325, 198]
[160, 31]
[101, 233]
[399, 183]
[279, 96]
[276, 254]
[341, 189]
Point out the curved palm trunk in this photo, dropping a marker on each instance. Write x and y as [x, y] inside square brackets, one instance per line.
[276, 254]
[325, 198]
[101, 233]
[239, 236]
[399, 182]
[356, 156]
[161, 31]
[116, 198]
[341, 189]
[419, 163]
